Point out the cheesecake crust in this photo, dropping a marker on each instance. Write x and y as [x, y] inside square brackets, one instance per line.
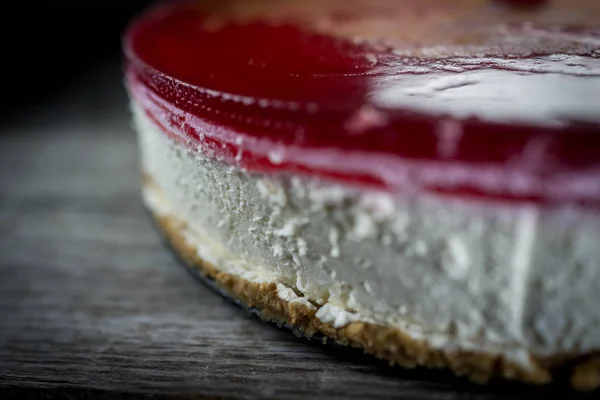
[391, 344]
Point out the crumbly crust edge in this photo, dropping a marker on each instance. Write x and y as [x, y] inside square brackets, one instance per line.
[582, 372]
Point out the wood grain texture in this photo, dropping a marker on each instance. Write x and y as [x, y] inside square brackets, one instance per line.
[93, 305]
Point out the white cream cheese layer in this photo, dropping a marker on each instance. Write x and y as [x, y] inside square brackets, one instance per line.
[510, 279]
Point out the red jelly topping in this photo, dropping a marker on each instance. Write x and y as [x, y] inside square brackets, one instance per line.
[517, 119]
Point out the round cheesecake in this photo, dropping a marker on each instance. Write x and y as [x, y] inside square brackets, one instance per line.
[419, 179]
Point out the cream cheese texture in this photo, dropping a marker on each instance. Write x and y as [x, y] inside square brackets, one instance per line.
[509, 279]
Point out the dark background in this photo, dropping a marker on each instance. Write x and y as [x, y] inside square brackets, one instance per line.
[48, 46]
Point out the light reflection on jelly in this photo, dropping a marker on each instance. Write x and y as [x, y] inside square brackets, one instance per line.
[546, 91]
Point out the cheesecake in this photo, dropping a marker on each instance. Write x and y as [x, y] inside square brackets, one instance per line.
[418, 179]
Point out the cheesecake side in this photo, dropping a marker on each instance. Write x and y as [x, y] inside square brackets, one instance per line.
[511, 282]
[427, 191]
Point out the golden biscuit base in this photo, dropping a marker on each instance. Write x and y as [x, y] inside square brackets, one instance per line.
[582, 372]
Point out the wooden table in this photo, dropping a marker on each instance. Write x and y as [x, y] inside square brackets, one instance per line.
[93, 305]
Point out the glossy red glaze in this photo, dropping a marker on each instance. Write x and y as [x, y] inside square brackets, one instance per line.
[279, 98]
